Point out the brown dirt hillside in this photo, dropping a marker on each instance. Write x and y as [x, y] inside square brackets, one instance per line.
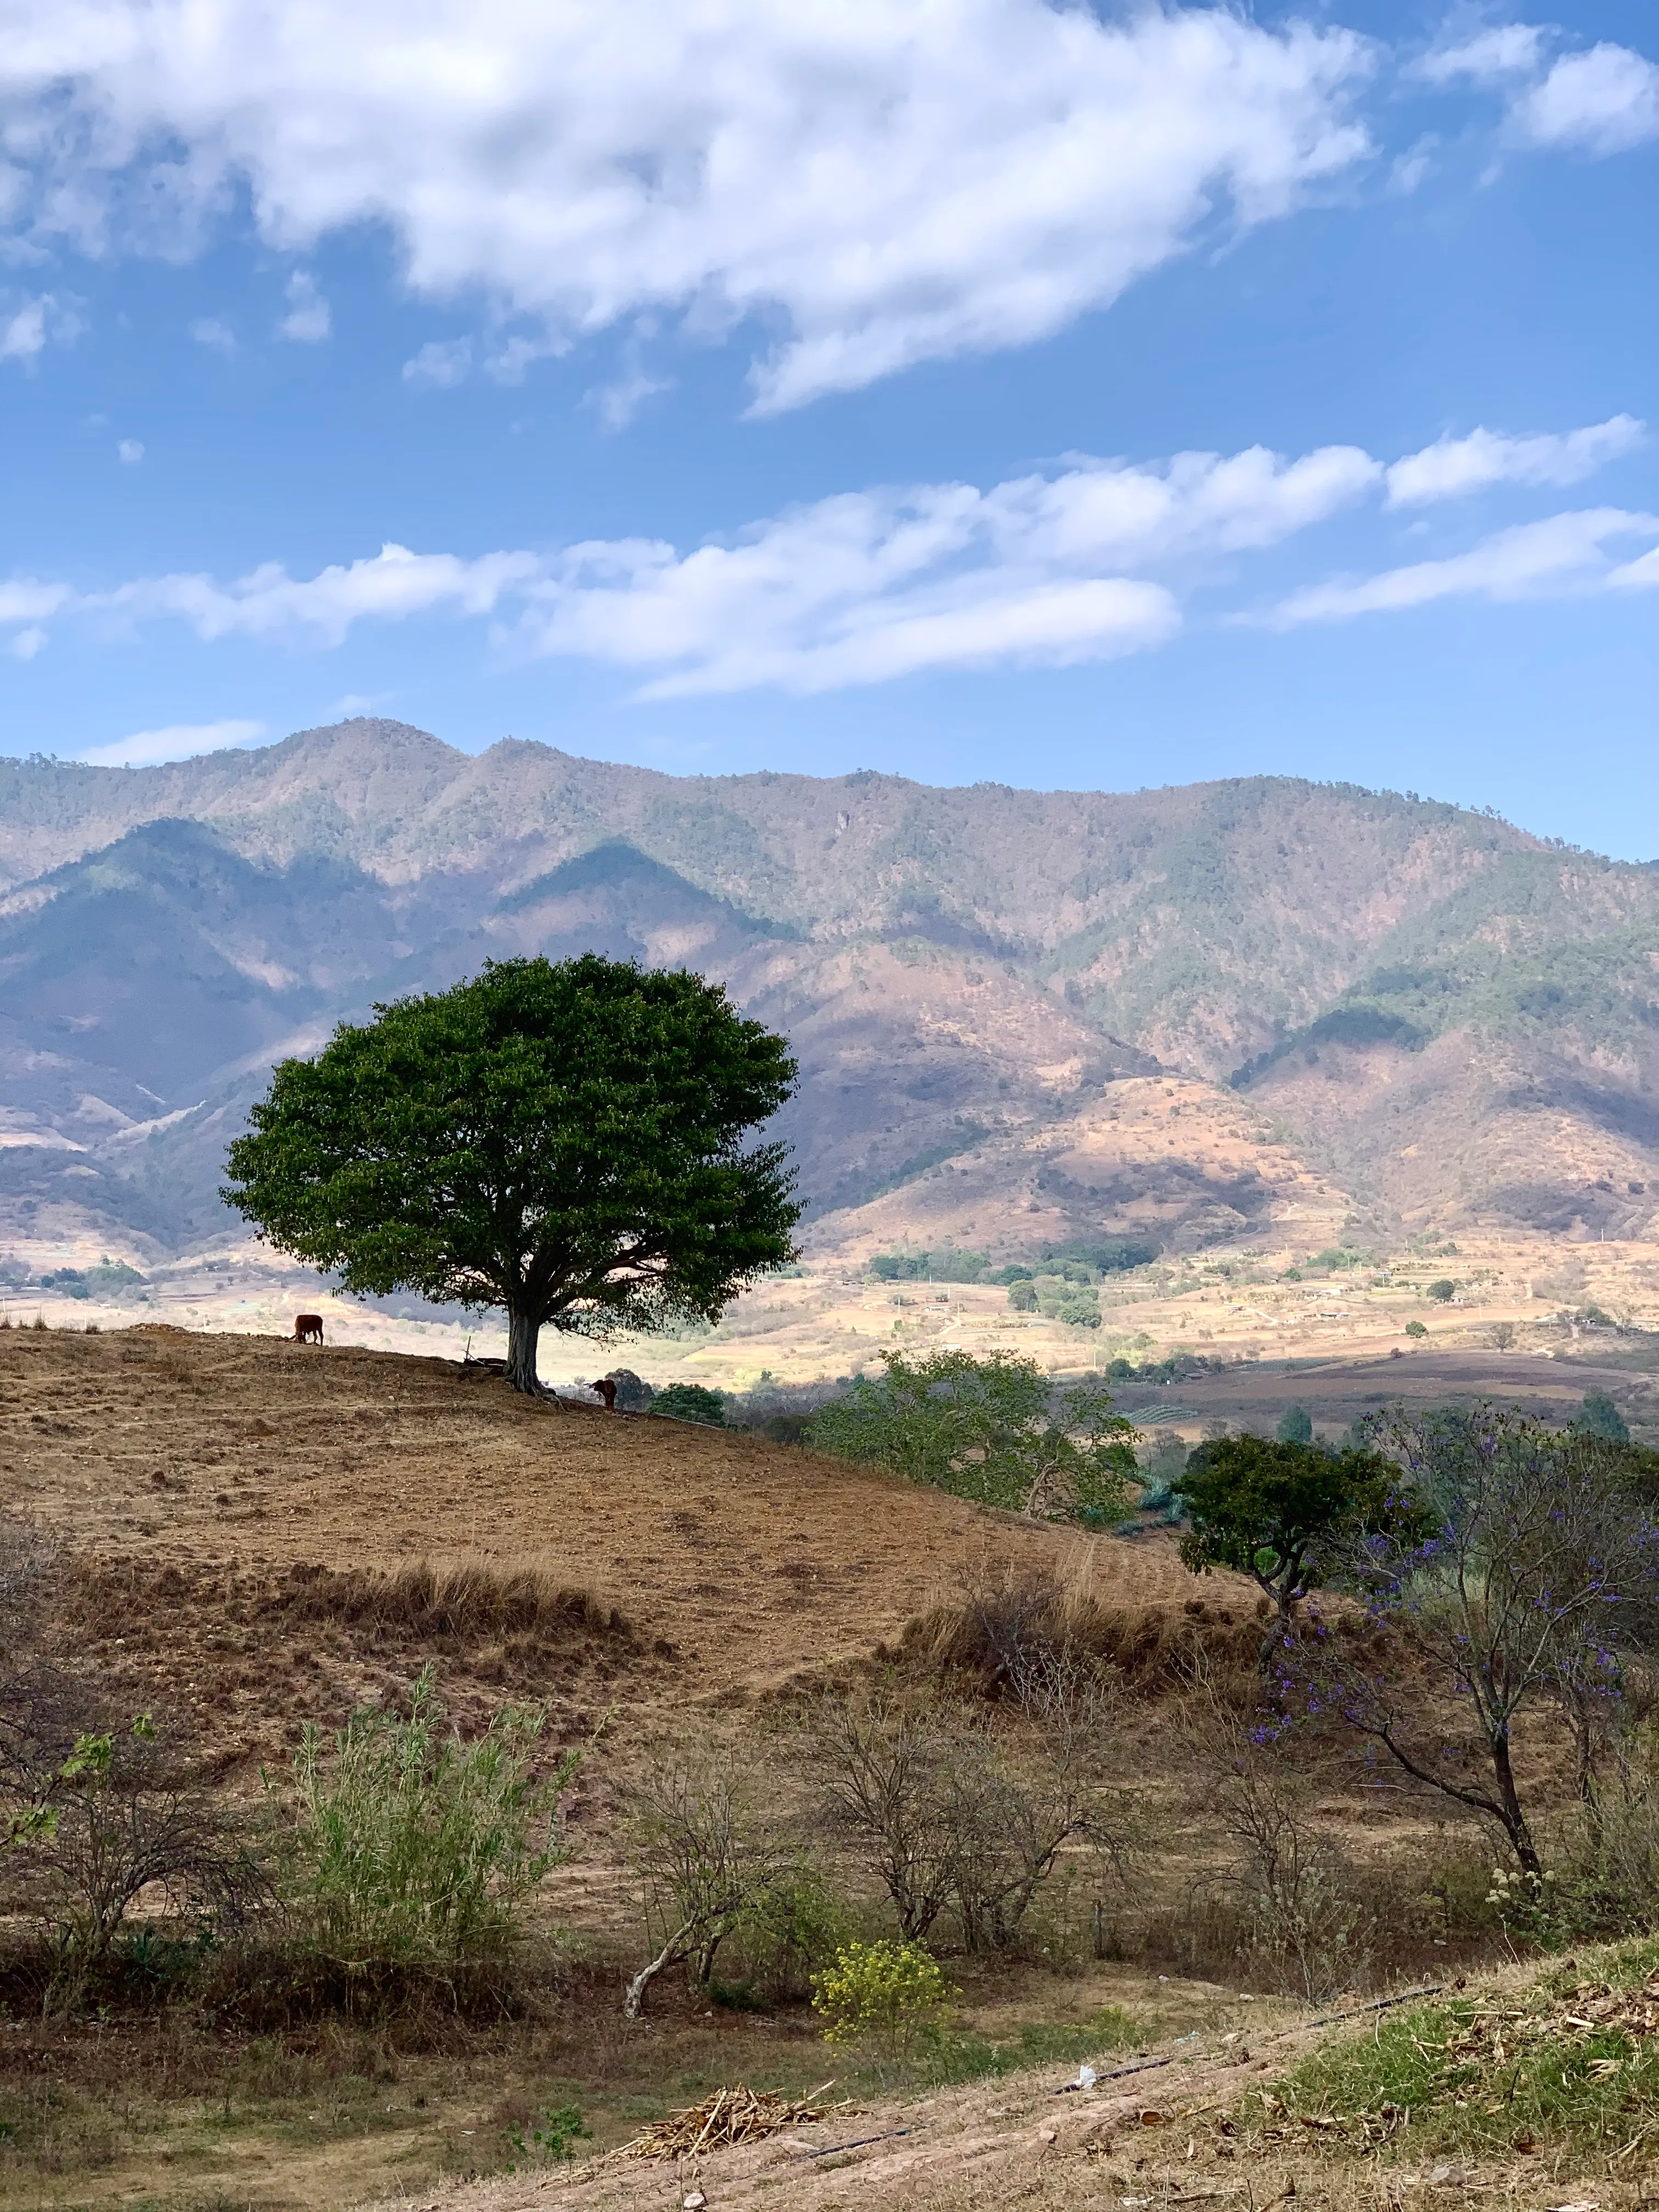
[215, 1495]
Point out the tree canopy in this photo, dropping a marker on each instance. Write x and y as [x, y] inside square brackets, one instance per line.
[989, 1430]
[562, 1140]
[1280, 1511]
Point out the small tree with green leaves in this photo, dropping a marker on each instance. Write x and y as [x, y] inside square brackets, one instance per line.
[1282, 1513]
[1296, 1425]
[691, 1402]
[564, 1141]
[989, 1430]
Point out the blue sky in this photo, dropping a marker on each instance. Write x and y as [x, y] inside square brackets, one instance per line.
[967, 388]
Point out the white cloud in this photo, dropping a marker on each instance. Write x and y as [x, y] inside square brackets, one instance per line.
[393, 586]
[179, 741]
[129, 452]
[307, 320]
[1489, 58]
[26, 330]
[26, 601]
[208, 330]
[883, 181]
[1454, 466]
[442, 363]
[1565, 553]
[1605, 102]
[27, 643]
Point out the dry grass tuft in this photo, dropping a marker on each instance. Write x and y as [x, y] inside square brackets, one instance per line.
[471, 1601]
[1151, 1646]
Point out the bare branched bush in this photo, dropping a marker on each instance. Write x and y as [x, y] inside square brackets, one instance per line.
[708, 1862]
[962, 1820]
[138, 1824]
[1300, 1918]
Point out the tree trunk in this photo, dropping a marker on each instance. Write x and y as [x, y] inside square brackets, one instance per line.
[671, 1954]
[1515, 1820]
[522, 1331]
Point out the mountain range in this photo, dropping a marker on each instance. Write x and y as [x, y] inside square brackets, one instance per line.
[1029, 1017]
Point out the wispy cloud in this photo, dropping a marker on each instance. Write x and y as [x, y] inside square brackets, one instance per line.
[179, 741]
[218, 336]
[1564, 553]
[26, 330]
[1603, 99]
[1093, 560]
[308, 321]
[1453, 467]
[1490, 57]
[129, 452]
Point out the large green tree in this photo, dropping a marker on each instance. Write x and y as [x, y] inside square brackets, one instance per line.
[562, 1140]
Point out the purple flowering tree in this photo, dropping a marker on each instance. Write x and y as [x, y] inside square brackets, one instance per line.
[1538, 1579]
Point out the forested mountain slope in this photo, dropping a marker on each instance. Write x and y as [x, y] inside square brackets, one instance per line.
[1446, 1015]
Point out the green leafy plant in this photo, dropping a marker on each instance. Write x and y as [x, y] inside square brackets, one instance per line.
[1416, 1328]
[1443, 1290]
[691, 1402]
[1600, 1417]
[890, 1998]
[553, 2136]
[409, 1848]
[987, 1430]
[563, 1141]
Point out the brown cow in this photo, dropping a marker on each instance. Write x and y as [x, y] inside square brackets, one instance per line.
[607, 1390]
[307, 1328]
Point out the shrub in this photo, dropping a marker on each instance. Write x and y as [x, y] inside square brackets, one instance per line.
[1022, 1296]
[412, 1850]
[1415, 1328]
[553, 2136]
[987, 1430]
[691, 1402]
[1296, 1425]
[888, 1996]
[1443, 1290]
[125, 1815]
[1600, 1417]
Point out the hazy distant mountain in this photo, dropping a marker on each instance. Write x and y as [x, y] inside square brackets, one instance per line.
[1442, 1013]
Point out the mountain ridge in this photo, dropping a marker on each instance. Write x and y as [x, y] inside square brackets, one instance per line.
[1443, 1011]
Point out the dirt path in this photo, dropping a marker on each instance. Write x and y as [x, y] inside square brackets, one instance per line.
[986, 2144]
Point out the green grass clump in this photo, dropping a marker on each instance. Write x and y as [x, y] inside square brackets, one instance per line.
[1573, 2059]
[1038, 2043]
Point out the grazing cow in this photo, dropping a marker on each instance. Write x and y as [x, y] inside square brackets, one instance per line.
[607, 1390]
[307, 1328]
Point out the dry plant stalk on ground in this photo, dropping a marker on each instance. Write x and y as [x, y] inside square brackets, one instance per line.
[738, 2115]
